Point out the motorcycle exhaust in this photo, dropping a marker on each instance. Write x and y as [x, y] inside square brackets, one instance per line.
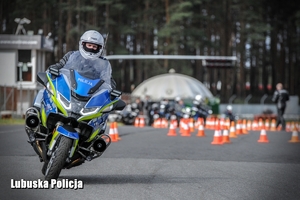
[99, 145]
[32, 118]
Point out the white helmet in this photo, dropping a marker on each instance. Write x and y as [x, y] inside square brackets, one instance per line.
[177, 99]
[198, 98]
[93, 37]
[229, 107]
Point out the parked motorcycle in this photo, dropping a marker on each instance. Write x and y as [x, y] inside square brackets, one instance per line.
[200, 111]
[69, 127]
[129, 113]
[154, 113]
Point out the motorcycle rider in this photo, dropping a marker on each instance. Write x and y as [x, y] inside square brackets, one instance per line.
[179, 108]
[89, 62]
[91, 45]
[228, 113]
[201, 110]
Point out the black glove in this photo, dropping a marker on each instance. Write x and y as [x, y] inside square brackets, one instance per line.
[54, 70]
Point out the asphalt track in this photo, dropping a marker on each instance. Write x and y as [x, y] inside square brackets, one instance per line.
[148, 164]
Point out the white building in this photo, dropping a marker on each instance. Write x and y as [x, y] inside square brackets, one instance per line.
[21, 57]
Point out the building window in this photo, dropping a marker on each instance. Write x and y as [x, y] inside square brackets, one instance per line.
[24, 66]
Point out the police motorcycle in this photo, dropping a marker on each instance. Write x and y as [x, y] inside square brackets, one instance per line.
[129, 113]
[68, 127]
[154, 113]
[199, 109]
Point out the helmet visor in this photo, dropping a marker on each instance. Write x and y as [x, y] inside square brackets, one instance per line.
[90, 47]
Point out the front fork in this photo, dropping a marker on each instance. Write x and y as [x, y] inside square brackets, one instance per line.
[67, 131]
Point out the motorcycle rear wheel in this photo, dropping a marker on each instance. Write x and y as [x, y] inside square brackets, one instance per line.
[58, 158]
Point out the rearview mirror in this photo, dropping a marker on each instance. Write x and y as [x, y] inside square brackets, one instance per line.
[42, 78]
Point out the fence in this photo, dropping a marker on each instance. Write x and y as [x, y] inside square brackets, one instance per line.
[15, 100]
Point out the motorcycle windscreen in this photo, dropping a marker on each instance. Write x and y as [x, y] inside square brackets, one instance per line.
[84, 85]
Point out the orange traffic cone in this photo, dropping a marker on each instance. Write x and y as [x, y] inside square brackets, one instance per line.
[201, 128]
[225, 138]
[228, 123]
[213, 123]
[208, 123]
[157, 123]
[249, 125]
[116, 131]
[185, 128]
[244, 127]
[172, 131]
[142, 122]
[174, 122]
[232, 133]
[273, 125]
[136, 122]
[164, 123]
[222, 123]
[191, 125]
[267, 124]
[217, 135]
[255, 125]
[295, 138]
[181, 126]
[293, 126]
[263, 136]
[260, 124]
[112, 134]
[239, 129]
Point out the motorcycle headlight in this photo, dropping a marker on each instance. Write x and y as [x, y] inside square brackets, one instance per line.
[107, 109]
[66, 104]
[49, 88]
[88, 111]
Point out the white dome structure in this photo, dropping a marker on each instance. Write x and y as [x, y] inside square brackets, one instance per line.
[170, 86]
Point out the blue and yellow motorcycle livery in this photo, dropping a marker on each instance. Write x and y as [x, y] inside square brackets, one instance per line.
[68, 127]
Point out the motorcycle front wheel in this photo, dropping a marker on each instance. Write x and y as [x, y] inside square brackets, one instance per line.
[58, 158]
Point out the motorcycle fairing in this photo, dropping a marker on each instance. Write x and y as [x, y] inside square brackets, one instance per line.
[43, 115]
[98, 113]
[62, 97]
[69, 134]
[52, 87]
[97, 124]
[102, 96]
[62, 86]
[49, 105]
